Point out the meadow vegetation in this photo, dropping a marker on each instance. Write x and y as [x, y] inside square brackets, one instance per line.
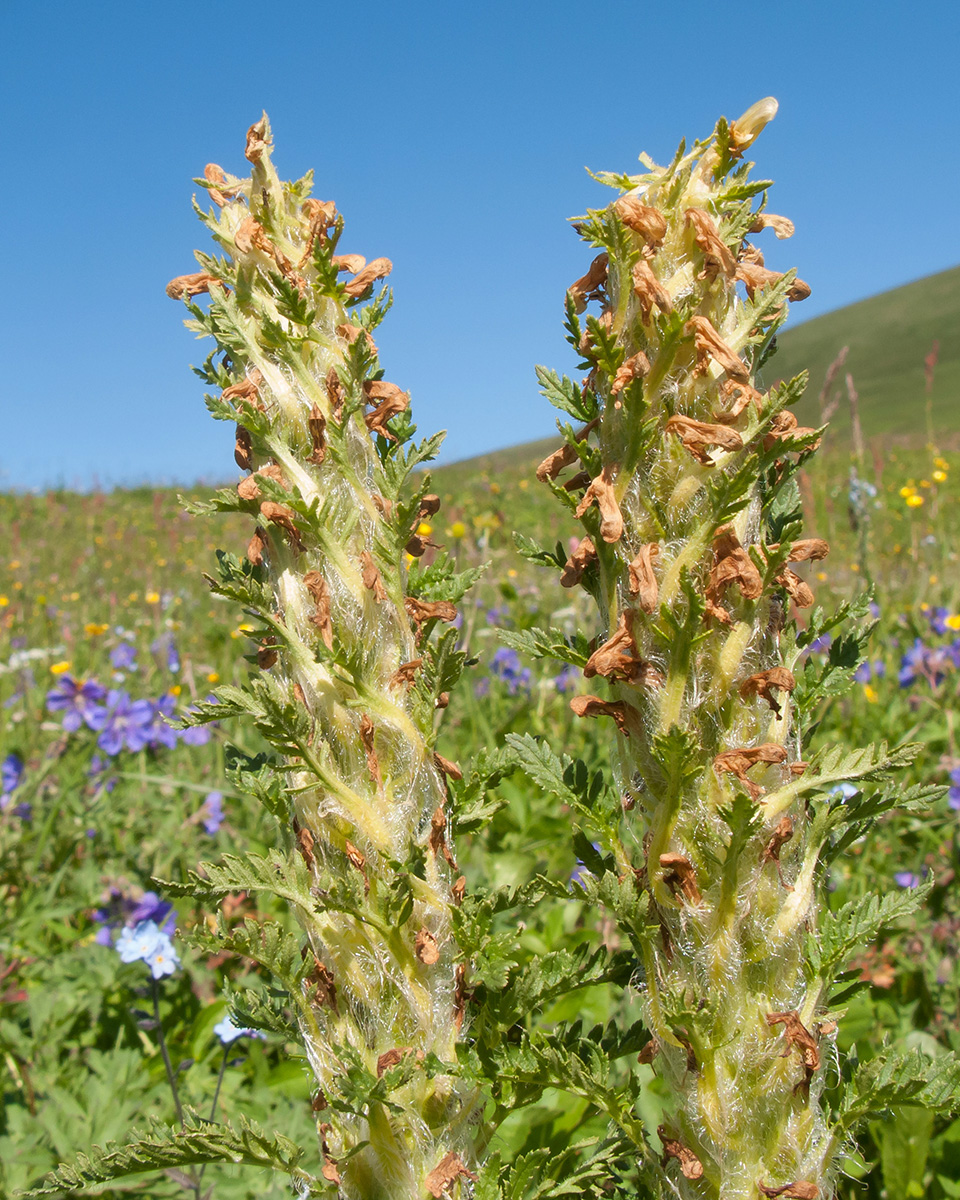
[119, 1006]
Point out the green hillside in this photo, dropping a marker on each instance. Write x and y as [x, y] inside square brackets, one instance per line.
[889, 337]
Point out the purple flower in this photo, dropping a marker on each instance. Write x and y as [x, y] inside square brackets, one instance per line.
[124, 657]
[212, 810]
[906, 879]
[126, 724]
[506, 665]
[819, 645]
[11, 775]
[928, 662]
[79, 701]
[494, 615]
[953, 796]
[159, 731]
[196, 735]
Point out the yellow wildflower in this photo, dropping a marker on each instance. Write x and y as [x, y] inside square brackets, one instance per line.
[524, 484]
[914, 501]
[4, 601]
[925, 483]
[92, 629]
[942, 464]
[870, 694]
[133, 596]
[424, 529]
[905, 492]
[953, 621]
[59, 668]
[940, 476]
[175, 690]
[152, 597]
[933, 579]
[457, 530]
[213, 677]
[512, 573]
[495, 488]
[14, 564]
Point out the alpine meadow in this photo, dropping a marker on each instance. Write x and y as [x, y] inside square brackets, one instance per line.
[580, 820]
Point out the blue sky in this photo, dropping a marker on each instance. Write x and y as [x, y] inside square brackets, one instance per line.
[453, 137]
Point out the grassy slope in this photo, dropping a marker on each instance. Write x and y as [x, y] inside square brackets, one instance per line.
[889, 336]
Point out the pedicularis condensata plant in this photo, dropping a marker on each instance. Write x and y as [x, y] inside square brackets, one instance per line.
[685, 469]
[350, 679]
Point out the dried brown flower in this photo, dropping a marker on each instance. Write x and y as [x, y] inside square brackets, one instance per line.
[690, 1166]
[378, 269]
[243, 449]
[784, 425]
[444, 1173]
[266, 656]
[316, 585]
[421, 611]
[405, 673]
[367, 733]
[336, 393]
[425, 947]
[742, 394]
[732, 564]
[219, 193]
[799, 1037]
[305, 844]
[578, 562]
[371, 577]
[635, 367]
[258, 140]
[392, 401]
[798, 591]
[283, 517]
[800, 1190]
[783, 227]
[756, 277]
[449, 768]
[326, 988]
[763, 682]
[587, 286]
[717, 259]
[352, 263]
[680, 875]
[322, 215]
[709, 344]
[618, 657]
[738, 762]
[808, 549]
[593, 706]
[698, 435]
[393, 1058]
[601, 489]
[649, 291]
[642, 219]
[643, 582]
[554, 463]
[256, 546]
[778, 839]
[438, 840]
[316, 424]
[185, 286]
[245, 389]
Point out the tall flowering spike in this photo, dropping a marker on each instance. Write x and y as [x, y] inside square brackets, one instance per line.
[346, 678]
[683, 475]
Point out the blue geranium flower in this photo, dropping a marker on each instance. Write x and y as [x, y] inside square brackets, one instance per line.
[125, 725]
[212, 812]
[80, 702]
[506, 665]
[124, 657]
